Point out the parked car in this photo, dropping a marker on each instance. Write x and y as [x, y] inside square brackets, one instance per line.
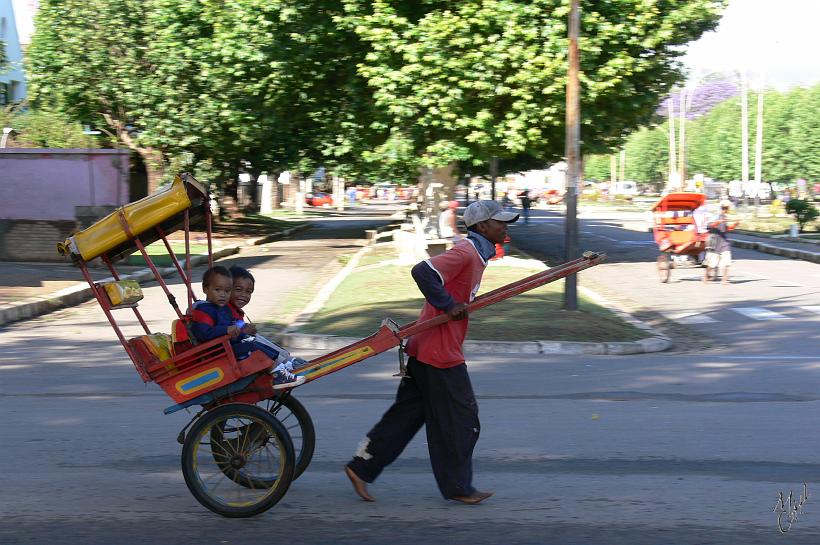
[319, 199]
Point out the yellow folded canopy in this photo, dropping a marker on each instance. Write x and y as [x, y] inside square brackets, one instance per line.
[164, 208]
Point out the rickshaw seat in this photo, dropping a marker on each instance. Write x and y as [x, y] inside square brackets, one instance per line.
[682, 220]
[182, 334]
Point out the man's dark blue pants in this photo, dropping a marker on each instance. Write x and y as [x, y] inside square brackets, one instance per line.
[443, 401]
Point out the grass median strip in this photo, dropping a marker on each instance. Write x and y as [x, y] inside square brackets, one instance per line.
[381, 288]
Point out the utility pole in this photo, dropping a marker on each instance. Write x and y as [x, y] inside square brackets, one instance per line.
[673, 161]
[682, 139]
[613, 175]
[493, 175]
[573, 149]
[759, 144]
[744, 138]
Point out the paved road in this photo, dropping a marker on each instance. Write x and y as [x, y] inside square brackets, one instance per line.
[771, 307]
[686, 448]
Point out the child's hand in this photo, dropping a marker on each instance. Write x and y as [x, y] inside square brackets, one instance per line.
[250, 329]
[233, 331]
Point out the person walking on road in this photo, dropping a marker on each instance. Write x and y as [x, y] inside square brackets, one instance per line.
[437, 392]
[718, 248]
[526, 202]
[447, 224]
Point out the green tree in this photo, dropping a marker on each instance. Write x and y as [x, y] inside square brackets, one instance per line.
[43, 129]
[647, 155]
[803, 211]
[597, 167]
[713, 142]
[477, 79]
[791, 134]
[209, 84]
[804, 130]
[88, 60]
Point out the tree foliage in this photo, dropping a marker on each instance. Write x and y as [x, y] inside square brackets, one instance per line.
[803, 211]
[791, 136]
[365, 88]
[216, 82]
[476, 79]
[713, 90]
[43, 129]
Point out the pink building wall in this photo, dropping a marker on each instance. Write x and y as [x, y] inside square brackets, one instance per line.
[46, 184]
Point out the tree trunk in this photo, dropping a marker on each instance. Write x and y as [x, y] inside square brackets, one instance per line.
[154, 166]
[153, 158]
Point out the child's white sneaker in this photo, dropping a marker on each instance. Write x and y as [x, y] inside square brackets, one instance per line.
[283, 378]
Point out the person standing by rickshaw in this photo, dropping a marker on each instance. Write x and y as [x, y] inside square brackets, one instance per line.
[718, 247]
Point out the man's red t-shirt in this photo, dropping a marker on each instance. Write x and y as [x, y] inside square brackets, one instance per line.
[460, 269]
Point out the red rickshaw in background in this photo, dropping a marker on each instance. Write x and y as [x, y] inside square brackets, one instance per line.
[676, 230]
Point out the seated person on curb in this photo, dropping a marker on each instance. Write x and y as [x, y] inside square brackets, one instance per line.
[243, 286]
[213, 318]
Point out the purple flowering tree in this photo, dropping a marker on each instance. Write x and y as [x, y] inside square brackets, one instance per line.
[706, 96]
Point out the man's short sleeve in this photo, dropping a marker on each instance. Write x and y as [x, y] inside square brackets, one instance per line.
[449, 264]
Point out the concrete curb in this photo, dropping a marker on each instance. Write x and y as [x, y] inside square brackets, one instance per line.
[80, 293]
[804, 255]
[292, 338]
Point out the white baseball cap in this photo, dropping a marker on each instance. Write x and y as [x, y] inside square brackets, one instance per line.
[486, 210]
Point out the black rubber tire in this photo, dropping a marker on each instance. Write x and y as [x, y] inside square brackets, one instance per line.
[210, 431]
[296, 419]
[664, 267]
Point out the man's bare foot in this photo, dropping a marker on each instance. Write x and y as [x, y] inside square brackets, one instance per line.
[359, 486]
[474, 498]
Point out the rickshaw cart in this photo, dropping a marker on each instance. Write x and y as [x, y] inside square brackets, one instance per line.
[675, 231]
[238, 454]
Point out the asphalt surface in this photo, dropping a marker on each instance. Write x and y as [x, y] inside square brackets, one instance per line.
[770, 306]
[688, 447]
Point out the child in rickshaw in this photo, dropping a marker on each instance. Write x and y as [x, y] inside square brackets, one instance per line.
[243, 287]
[213, 318]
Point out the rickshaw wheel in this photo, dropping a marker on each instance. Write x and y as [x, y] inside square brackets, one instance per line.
[225, 447]
[664, 267]
[296, 419]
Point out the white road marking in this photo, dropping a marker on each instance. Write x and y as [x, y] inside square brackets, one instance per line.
[758, 313]
[694, 319]
[772, 357]
[786, 282]
[812, 309]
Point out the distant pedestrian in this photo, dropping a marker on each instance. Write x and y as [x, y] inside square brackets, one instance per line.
[437, 393]
[718, 248]
[447, 221]
[526, 203]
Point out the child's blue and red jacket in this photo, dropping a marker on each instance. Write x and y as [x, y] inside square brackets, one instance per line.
[212, 321]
